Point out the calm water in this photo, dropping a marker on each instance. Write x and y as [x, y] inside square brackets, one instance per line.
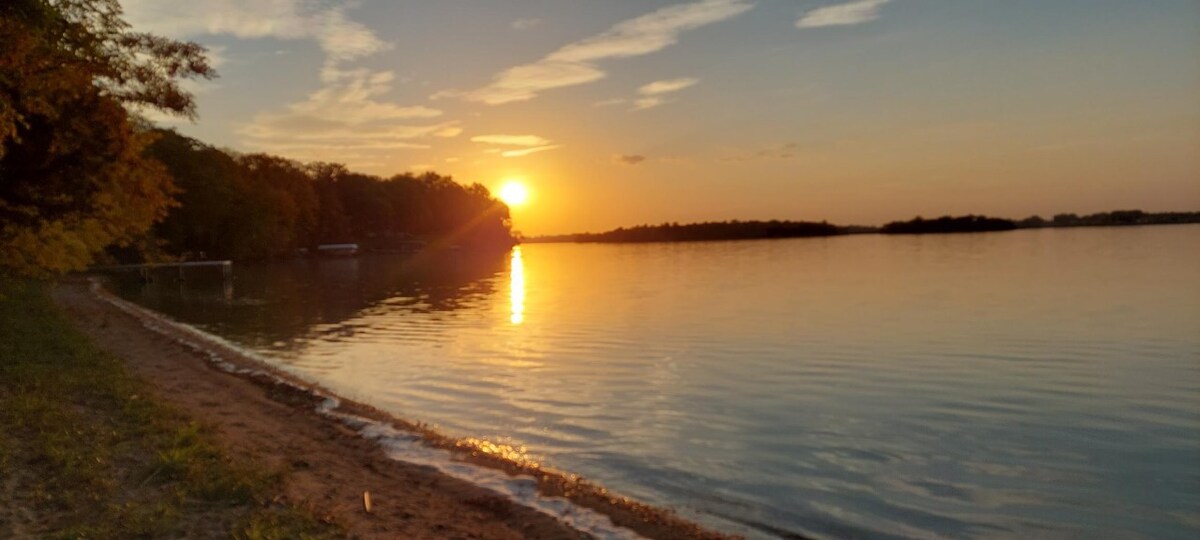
[1023, 384]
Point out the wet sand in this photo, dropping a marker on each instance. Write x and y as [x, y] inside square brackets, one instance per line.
[328, 464]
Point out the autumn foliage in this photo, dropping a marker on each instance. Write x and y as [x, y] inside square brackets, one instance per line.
[73, 177]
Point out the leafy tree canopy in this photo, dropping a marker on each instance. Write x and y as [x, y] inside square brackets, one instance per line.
[73, 179]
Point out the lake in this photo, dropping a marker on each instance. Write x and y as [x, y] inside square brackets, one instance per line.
[1035, 383]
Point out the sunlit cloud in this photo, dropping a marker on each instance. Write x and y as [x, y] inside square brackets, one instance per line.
[511, 140]
[448, 132]
[345, 114]
[653, 93]
[647, 103]
[842, 14]
[348, 117]
[282, 19]
[610, 102]
[574, 64]
[526, 24]
[628, 159]
[664, 87]
[527, 151]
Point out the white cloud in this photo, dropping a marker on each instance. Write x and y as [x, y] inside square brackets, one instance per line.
[448, 132]
[573, 64]
[609, 102]
[647, 103]
[511, 140]
[348, 117]
[526, 24]
[527, 151]
[857, 12]
[667, 86]
[653, 94]
[281, 19]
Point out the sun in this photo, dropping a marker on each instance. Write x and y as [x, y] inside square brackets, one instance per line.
[514, 193]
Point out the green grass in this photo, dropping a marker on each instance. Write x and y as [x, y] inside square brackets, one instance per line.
[93, 455]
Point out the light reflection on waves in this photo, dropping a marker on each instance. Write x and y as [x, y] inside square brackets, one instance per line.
[809, 391]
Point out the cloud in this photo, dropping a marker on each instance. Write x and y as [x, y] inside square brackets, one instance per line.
[647, 103]
[574, 64]
[527, 151]
[348, 117]
[849, 13]
[609, 102]
[344, 115]
[526, 24]
[664, 87]
[628, 159]
[511, 140]
[652, 94]
[448, 132]
[775, 151]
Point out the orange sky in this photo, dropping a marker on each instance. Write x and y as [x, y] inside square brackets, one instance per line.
[622, 113]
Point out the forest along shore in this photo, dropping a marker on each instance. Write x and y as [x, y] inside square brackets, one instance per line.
[325, 465]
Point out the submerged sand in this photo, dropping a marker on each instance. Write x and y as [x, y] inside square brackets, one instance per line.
[329, 465]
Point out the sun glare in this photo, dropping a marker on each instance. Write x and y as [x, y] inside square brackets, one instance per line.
[514, 193]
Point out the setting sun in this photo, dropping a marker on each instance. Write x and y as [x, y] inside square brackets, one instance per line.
[514, 193]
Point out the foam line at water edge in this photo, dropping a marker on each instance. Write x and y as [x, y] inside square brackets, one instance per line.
[398, 444]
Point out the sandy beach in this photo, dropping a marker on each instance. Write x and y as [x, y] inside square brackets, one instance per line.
[329, 465]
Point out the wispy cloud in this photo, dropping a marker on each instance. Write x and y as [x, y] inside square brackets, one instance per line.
[511, 140]
[665, 87]
[532, 143]
[575, 63]
[348, 117]
[628, 159]
[527, 151]
[526, 24]
[642, 104]
[610, 102]
[849, 13]
[653, 93]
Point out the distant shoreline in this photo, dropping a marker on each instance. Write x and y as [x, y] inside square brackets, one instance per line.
[775, 229]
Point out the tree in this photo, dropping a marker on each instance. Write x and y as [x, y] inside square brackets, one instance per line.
[73, 179]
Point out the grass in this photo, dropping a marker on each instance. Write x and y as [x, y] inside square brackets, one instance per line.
[86, 452]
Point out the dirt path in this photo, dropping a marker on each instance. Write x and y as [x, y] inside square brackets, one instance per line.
[329, 467]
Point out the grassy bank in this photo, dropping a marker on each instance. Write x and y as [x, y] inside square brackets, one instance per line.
[86, 451]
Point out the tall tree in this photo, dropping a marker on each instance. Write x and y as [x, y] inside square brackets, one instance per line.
[73, 179]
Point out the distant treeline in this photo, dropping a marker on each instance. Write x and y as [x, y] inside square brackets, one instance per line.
[948, 224]
[257, 206]
[748, 230]
[693, 232]
[1110, 219]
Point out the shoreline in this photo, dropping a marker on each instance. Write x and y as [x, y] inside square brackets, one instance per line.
[507, 496]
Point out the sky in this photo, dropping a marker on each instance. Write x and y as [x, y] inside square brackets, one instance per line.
[623, 112]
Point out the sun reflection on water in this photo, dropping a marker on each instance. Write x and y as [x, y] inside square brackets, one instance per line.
[517, 286]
